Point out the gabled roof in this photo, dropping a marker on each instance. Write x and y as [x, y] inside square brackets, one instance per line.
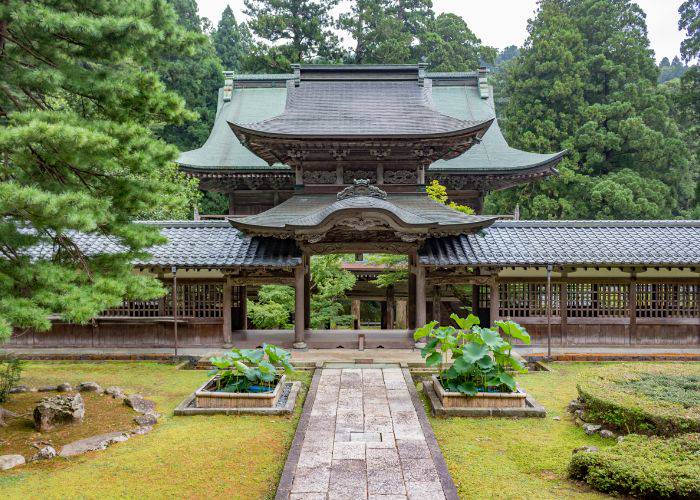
[454, 97]
[576, 243]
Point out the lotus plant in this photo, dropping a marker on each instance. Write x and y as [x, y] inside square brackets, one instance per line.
[250, 370]
[481, 357]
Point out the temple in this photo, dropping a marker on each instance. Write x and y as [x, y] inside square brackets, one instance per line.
[335, 159]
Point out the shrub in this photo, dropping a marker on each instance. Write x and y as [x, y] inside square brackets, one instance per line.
[643, 466]
[658, 400]
[10, 373]
[481, 358]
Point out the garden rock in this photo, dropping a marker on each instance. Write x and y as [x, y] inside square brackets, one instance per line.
[19, 389]
[48, 388]
[10, 461]
[585, 449]
[89, 387]
[579, 414]
[145, 420]
[5, 414]
[115, 392]
[591, 429]
[58, 409]
[574, 405]
[44, 453]
[604, 433]
[139, 404]
[93, 443]
[620, 439]
[64, 387]
[556, 418]
[142, 429]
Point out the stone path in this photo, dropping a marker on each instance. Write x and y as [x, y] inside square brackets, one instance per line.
[364, 439]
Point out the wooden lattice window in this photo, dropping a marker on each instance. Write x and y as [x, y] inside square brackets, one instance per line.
[197, 300]
[518, 300]
[484, 297]
[594, 300]
[663, 300]
[136, 309]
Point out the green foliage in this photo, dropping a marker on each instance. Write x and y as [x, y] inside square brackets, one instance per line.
[195, 75]
[10, 373]
[438, 192]
[586, 81]
[636, 401]
[481, 358]
[643, 467]
[274, 307]
[232, 41]
[669, 70]
[250, 370]
[395, 265]
[293, 31]
[330, 282]
[78, 103]
[213, 203]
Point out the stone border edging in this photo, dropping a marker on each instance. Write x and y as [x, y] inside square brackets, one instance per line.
[448, 485]
[284, 486]
[184, 410]
[533, 408]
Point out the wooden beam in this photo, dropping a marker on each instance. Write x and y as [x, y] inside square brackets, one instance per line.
[421, 319]
[243, 297]
[563, 309]
[390, 300]
[307, 292]
[632, 307]
[355, 306]
[436, 303]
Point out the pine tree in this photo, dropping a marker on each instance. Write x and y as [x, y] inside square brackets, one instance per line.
[77, 153]
[586, 80]
[232, 41]
[196, 75]
[293, 31]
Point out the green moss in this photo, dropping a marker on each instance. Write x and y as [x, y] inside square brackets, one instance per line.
[637, 401]
[203, 456]
[644, 466]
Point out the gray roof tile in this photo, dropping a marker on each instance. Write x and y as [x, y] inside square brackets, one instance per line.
[578, 243]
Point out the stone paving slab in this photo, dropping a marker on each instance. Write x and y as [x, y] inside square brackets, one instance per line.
[362, 436]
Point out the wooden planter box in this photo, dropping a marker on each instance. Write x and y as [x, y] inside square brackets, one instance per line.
[206, 398]
[481, 400]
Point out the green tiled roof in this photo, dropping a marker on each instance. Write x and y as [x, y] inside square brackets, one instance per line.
[261, 97]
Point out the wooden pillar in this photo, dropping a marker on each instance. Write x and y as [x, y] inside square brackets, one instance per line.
[355, 311]
[231, 204]
[390, 300]
[307, 292]
[299, 320]
[437, 302]
[563, 303]
[226, 305]
[411, 316]
[421, 319]
[494, 304]
[401, 314]
[475, 299]
[632, 303]
[243, 297]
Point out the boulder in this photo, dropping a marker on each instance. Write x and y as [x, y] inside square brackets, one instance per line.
[605, 433]
[620, 439]
[89, 387]
[142, 429]
[5, 414]
[146, 420]
[591, 429]
[44, 453]
[47, 388]
[64, 387]
[138, 403]
[93, 443]
[58, 409]
[115, 392]
[19, 389]
[556, 418]
[585, 449]
[10, 461]
[579, 414]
